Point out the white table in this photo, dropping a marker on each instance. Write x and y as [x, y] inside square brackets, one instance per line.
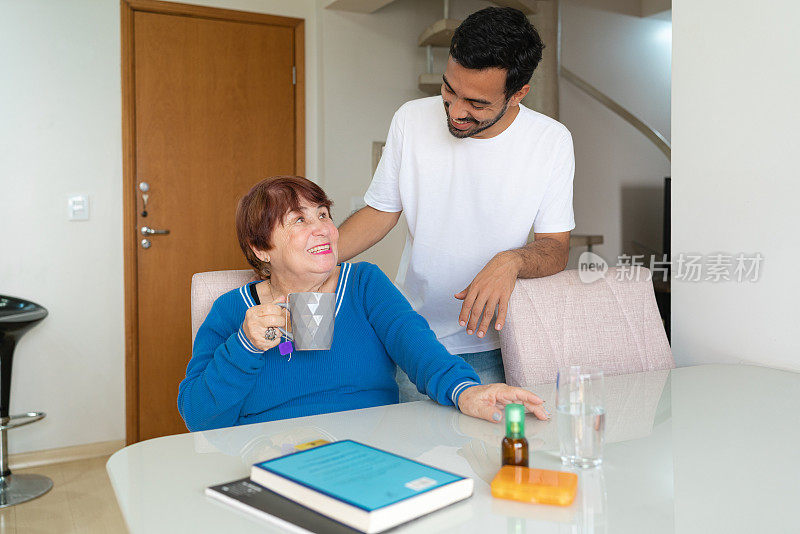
[702, 449]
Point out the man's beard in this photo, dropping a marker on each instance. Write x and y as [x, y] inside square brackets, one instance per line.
[479, 126]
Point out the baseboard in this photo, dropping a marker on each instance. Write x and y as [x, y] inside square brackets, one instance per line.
[23, 460]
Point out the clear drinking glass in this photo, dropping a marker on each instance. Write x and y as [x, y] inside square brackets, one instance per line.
[581, 414]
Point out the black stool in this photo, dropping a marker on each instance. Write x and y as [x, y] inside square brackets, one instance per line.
[17, 316]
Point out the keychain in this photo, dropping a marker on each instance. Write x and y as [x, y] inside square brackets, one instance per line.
[286, 347]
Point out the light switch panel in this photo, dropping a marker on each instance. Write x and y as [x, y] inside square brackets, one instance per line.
[78, 208]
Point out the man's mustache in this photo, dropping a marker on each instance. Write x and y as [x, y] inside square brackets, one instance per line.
[469, 119]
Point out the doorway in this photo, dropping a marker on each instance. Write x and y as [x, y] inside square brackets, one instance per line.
[213, 102]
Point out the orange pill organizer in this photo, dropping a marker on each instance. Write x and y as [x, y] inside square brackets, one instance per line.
[535, 485]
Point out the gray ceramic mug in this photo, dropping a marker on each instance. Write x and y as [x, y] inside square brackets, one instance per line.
[312, 320]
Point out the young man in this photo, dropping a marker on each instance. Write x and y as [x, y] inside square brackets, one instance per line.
[473, 170]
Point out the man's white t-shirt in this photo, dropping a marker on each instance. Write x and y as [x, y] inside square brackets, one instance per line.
[465, 200]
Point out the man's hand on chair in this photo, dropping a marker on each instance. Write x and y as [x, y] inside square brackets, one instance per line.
[490, 289]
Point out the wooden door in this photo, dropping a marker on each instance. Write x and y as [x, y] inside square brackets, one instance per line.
[211, 105]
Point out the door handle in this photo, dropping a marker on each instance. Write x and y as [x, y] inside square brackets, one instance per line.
[146, 230]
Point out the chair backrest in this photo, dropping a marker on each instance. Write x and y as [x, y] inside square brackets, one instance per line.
[612, 323]
[207, 287]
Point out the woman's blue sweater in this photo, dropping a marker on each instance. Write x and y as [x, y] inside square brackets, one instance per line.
[230, 382]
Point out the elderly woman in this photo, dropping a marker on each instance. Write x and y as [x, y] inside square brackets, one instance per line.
[237, 375]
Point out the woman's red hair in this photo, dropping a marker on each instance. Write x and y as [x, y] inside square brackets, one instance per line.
[264, 206]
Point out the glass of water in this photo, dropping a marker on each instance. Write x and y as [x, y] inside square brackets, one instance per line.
[581, 415]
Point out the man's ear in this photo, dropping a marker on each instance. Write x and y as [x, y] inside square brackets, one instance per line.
[517, 97]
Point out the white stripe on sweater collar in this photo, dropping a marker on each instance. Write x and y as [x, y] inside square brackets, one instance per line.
[340, 289]
[342, 286]
[248, 298]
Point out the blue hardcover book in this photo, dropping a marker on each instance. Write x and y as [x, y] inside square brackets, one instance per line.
[363, 487]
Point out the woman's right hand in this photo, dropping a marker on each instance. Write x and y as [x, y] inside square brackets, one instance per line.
[259, 318]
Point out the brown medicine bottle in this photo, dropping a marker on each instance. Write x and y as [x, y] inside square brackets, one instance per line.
[515, 446]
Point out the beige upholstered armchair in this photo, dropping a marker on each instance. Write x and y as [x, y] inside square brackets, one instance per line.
[207, 287]
[559, 320]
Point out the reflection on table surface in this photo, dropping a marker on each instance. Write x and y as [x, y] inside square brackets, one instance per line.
[667, 433]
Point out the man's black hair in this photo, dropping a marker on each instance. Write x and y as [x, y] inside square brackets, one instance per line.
[499, 37]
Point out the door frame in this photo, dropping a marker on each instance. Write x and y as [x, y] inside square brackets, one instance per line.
[129, 197]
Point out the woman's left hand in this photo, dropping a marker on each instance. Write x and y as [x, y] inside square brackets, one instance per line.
[489, 401]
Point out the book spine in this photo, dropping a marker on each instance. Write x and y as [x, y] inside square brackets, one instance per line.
[319, 502]
[290, 527]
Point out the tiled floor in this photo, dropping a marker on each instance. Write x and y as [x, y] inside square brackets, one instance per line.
[81, 501]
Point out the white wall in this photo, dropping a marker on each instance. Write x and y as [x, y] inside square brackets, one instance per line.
[735, 187]
[60, 133]
[618, 172]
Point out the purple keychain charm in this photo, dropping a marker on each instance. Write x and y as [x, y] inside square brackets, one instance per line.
[286, 348]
